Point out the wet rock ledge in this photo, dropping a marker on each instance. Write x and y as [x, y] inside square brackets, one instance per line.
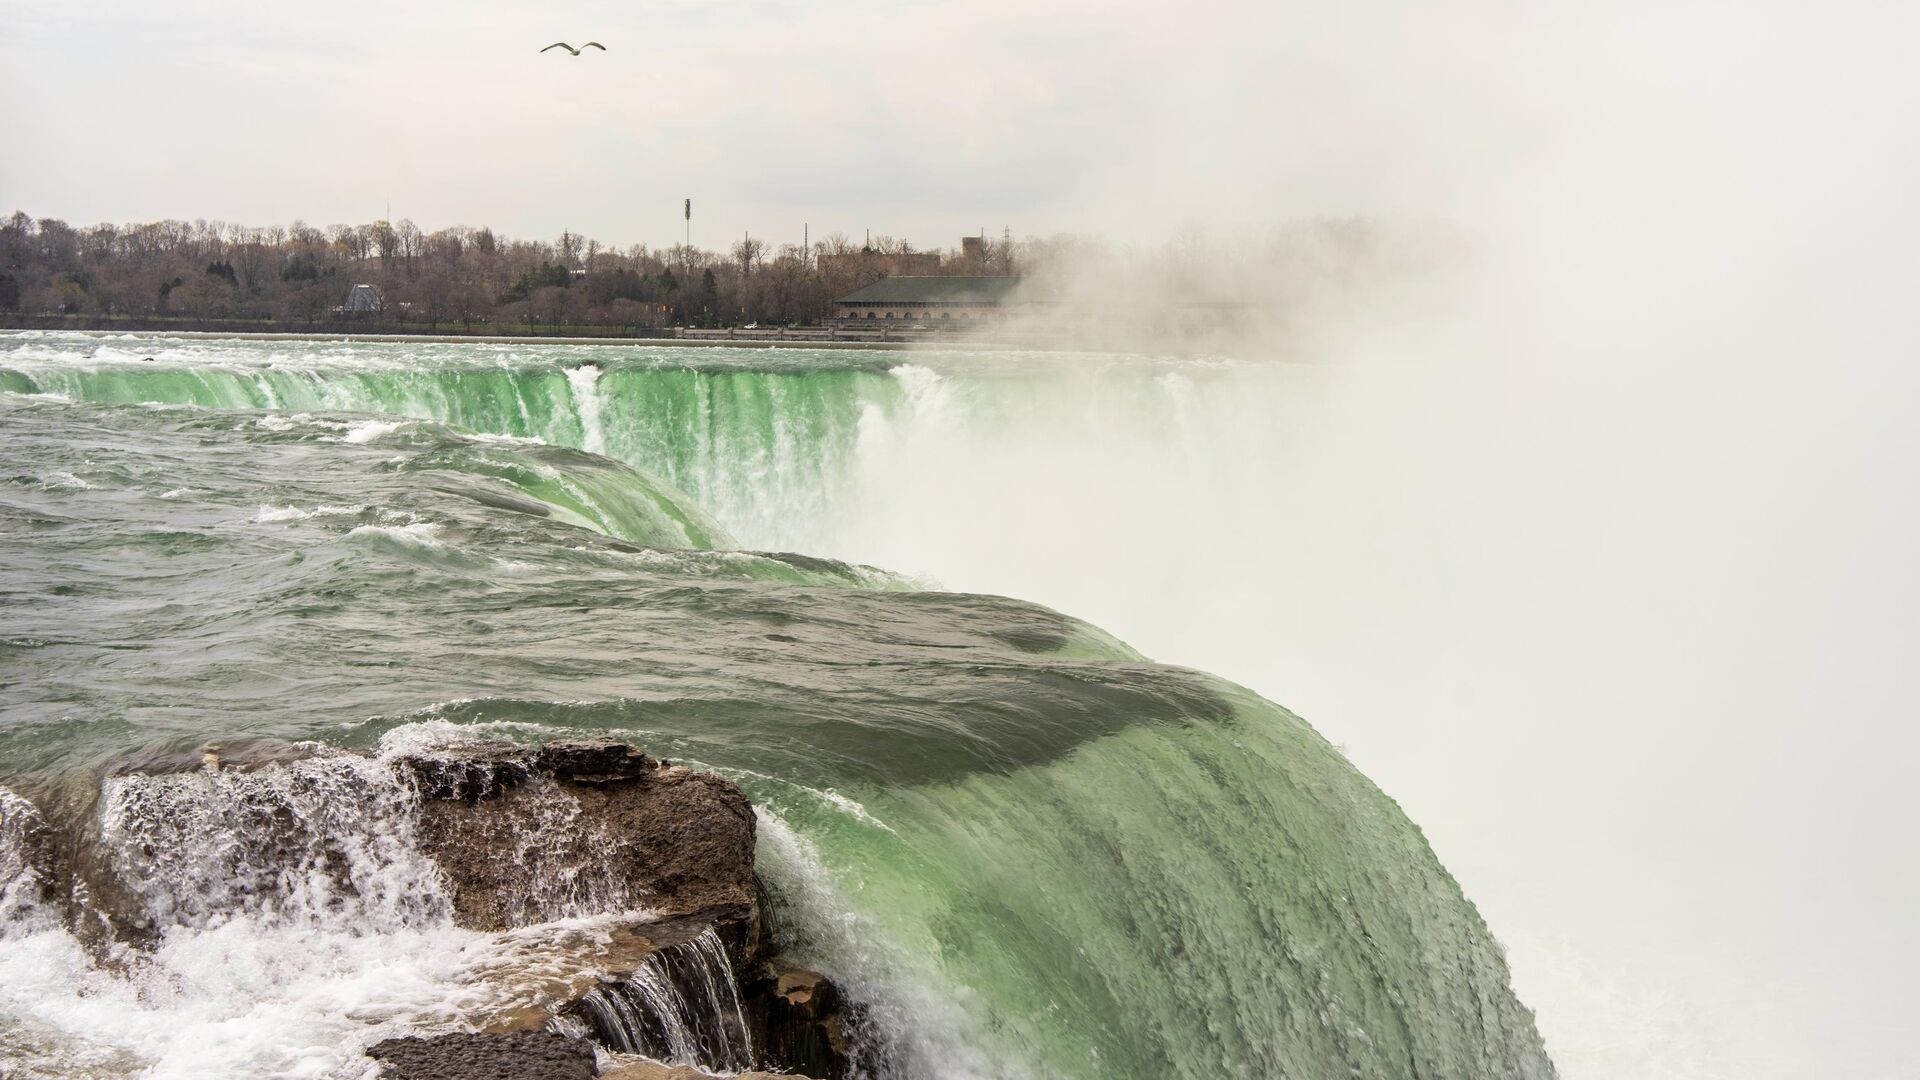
[538, 1055]
[608, 828]
[678, 965]
[519, 1055]
[581, 825]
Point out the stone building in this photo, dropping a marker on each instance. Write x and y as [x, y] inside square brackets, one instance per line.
[928, 299]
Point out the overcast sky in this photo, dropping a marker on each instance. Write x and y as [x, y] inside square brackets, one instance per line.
[918, 118]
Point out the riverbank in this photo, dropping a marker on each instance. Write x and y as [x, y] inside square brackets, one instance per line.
[778, 337]
[477, 339]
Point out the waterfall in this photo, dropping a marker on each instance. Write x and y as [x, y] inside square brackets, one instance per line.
[586, 405]
[681, 1005]
[324, 841]
[1073, 861]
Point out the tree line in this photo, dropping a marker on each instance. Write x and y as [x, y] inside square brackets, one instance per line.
[212, 273]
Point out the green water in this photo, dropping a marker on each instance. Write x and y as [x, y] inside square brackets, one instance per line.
[1028, 849]
[754, 438]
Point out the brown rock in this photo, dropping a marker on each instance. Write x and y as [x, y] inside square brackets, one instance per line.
[520, 1055]
[653, 1070]
[521, 837]
[469, 772]
[594, 761]
[807, 993]
[799, 1018]
[680, 843]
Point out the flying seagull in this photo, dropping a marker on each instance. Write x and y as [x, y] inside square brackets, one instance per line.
[574, 51]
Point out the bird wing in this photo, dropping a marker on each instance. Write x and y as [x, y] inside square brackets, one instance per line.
[561, 45]
[594, 45]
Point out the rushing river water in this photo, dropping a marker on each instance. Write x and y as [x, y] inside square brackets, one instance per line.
[1028, 848]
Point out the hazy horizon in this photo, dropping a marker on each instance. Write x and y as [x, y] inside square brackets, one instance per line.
[842, 116]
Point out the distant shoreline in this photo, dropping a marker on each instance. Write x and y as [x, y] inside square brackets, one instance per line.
[526, 339]
[1032, 344]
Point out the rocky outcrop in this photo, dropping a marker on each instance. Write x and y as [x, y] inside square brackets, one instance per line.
[653, 1070]
[798, 1018]
[524, 1056]
[520, 1055]
[468, 772]
[595, 761]
[581, 825]
[620, 830]
[495, 835]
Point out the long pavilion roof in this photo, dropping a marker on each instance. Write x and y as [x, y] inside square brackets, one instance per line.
[934, 290]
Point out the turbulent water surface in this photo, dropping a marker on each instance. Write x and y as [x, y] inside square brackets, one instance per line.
[1030, 850]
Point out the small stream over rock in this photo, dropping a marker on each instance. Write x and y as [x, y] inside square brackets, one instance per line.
[608, 899]
[682, 1005]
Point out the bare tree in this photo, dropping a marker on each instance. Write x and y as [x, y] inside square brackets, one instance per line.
[300, 274]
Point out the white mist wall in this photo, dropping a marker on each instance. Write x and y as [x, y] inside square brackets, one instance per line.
[1599, 559]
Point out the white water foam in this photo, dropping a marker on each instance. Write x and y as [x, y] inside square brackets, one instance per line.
[485, 438]
[853, 808]
[65, 481]
[20, 879]
[276, 514]
[582, 382]
[287, 422]
[280, 955]
[259, 997]
[246, 998]
[365, 431]
[420, 534]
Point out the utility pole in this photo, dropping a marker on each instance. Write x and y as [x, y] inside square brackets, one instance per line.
[686, 249]
[806, 247]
